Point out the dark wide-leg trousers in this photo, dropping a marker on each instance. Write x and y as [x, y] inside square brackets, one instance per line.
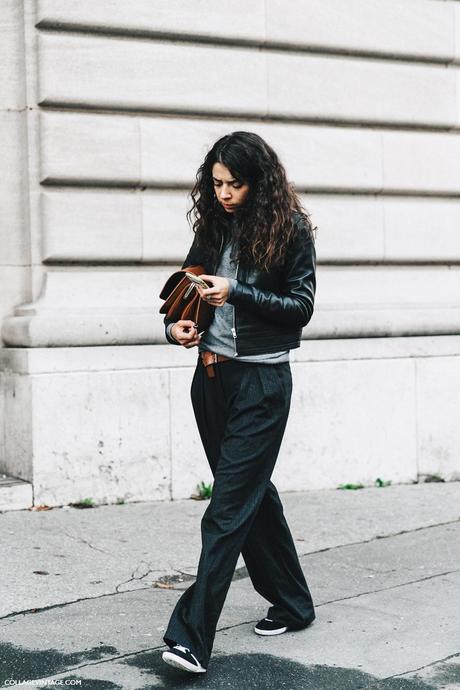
[241, 416]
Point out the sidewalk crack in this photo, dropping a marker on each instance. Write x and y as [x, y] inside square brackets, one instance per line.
[137, 575]
[87, 543]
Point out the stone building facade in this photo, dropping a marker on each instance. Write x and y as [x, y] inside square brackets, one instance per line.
[106, 111]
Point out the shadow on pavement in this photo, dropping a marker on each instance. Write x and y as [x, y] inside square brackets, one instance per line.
[26, 664]
[226, 672]
[267, 672]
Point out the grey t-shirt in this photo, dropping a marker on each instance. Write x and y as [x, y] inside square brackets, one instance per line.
[219, 337]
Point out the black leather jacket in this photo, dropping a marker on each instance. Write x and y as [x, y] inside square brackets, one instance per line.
[270, 307]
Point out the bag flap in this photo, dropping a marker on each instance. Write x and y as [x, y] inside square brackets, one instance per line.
[174, 279]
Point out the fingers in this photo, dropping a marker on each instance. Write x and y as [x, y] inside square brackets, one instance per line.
[189, 334]
[185, 323]
[215, 284]
[194, 342]
[217, 293]
[211, 293]
[213, 296]
[186, 333]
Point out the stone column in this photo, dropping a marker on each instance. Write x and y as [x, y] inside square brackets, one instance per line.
[15, 246]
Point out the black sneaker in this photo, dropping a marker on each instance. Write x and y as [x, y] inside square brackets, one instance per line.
[181, 657]
[267, 626]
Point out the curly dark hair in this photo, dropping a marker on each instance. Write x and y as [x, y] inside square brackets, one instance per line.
[271, 214]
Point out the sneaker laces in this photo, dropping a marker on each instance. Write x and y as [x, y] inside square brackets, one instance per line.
[181, 648]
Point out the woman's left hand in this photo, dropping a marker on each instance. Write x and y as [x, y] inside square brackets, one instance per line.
[218, 293]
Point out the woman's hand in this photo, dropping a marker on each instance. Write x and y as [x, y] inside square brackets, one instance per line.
[186, 333]
[218, 293]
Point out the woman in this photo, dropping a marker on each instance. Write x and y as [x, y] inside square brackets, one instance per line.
[257, 247]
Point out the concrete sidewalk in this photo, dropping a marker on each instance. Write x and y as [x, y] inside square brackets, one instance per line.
[86, 595]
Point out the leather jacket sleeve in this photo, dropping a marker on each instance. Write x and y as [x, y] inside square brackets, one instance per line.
[189, 260]
[294, 305]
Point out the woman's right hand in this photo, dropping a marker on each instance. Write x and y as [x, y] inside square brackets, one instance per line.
[186, 333]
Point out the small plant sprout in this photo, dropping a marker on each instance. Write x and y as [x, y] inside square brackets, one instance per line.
[382, 482]
[433, 478]
[350, 486]
[84, 503]
[204, 492]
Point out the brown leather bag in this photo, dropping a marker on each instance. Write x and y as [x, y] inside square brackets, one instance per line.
[183, 301]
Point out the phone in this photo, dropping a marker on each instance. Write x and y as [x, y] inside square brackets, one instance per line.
[195, 279]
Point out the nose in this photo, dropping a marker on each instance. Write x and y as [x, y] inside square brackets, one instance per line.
[225, 193]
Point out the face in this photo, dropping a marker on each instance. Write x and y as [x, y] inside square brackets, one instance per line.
[230, 192]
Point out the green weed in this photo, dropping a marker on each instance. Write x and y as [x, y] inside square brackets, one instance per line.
[204, 492]
[84, 503]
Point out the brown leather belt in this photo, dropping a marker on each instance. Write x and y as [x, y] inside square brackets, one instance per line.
[209, 359]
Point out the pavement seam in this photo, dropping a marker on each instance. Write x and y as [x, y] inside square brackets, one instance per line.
[421, 668]
[385, 589]
[406, 673]
[59, 606]
[116, 593]
[242, 573]
[378, 537]
[96, 663]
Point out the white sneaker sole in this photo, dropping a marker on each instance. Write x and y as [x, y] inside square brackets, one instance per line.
[177, 662]
[278, 631]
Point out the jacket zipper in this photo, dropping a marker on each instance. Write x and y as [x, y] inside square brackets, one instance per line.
[234, 320]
